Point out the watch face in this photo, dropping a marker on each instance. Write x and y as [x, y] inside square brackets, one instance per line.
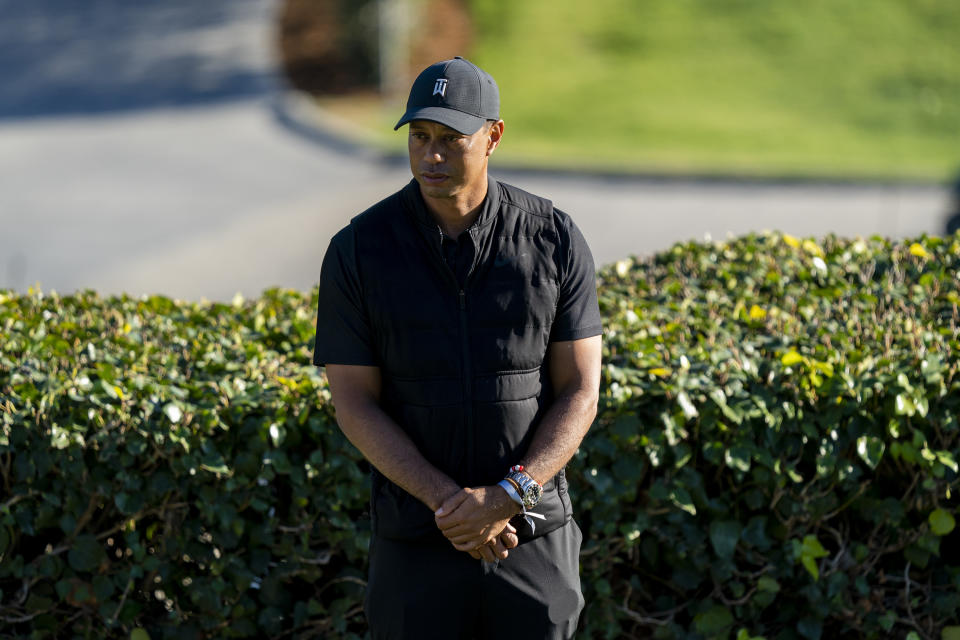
[532, 495]
[530, 491]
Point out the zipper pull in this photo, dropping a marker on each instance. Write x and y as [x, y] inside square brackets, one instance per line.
[463, 299]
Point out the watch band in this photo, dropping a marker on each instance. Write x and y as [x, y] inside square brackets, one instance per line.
[529, 489]
[507, 485]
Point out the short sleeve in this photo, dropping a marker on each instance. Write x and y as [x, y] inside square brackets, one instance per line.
[343, 331]
[578, 313]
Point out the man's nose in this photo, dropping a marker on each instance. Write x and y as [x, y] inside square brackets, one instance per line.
[433, 152]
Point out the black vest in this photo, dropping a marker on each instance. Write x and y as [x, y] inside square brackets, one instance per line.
[463, 369]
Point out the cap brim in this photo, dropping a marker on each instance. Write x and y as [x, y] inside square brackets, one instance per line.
[457, 120]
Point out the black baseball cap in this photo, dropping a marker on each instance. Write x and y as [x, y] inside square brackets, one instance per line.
[455, 93]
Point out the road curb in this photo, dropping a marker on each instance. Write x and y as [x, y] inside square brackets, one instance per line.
[296, 112]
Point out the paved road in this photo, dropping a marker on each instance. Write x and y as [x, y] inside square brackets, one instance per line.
[211, 180]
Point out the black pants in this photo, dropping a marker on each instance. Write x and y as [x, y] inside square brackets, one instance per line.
[428, 591]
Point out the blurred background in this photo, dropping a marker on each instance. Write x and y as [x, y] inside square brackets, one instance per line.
[200, 150]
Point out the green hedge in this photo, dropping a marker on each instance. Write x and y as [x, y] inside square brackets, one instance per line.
[775, 455]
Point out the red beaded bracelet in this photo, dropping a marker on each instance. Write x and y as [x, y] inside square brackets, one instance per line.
[517, 467]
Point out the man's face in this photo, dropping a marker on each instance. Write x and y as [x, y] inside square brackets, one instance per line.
[448, 163]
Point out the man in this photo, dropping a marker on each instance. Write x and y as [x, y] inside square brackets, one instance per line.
[459, 326]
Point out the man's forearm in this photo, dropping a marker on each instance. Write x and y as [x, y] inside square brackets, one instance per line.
[384, 444]
[559, 434]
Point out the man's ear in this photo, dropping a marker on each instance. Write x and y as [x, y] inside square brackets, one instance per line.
[495, 135]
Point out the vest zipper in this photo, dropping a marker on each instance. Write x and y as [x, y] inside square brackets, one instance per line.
[467, 377]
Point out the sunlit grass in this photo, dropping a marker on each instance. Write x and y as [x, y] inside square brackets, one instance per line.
[821, 87]
[741, 87]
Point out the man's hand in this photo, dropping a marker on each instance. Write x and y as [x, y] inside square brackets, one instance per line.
[472, 518]
[498, 548]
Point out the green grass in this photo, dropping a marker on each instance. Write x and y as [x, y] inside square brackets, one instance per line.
[748, 86]
[757, 87]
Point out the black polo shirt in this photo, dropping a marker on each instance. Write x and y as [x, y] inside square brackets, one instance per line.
[462, 357]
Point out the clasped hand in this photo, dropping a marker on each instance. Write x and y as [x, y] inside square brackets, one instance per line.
[477, 521]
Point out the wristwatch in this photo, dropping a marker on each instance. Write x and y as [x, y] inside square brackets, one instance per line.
[528, 489]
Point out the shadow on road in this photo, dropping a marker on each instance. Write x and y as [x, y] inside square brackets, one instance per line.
[952, 224]
[62, 57]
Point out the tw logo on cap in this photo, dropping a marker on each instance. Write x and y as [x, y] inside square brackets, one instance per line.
[440, 88]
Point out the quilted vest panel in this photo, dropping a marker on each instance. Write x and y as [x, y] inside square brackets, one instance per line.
[462, 369]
